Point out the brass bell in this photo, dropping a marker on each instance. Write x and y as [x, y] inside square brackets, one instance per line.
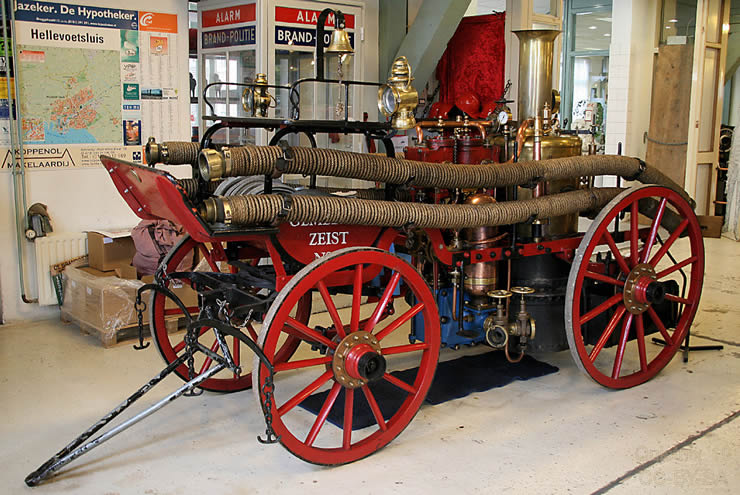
[340, 44]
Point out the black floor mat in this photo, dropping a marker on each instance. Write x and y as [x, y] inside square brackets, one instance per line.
[454, 379]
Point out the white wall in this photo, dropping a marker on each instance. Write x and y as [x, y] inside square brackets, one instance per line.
[82, 199]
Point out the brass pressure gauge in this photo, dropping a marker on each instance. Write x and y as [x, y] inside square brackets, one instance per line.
[398, 99]
[257, 99]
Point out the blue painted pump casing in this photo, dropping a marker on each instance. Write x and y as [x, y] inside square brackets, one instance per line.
[448, 326]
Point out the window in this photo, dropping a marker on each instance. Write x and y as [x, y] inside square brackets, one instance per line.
[586, 70]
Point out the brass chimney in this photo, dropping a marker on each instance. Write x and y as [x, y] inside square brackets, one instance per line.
[536, 49]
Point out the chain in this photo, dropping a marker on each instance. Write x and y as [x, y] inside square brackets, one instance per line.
[267, 392]
[340, 106]
[140, 306]
[190, 341]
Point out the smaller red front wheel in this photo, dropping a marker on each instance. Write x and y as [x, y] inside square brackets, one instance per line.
[348, 355]
[646, 277]
[191, 255]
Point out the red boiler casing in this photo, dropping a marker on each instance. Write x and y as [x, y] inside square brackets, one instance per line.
[470, 150]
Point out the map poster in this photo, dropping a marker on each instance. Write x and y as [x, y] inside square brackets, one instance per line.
[82, 83]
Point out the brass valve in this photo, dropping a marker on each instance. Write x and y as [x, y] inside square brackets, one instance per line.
[524, 322]
[498, 328]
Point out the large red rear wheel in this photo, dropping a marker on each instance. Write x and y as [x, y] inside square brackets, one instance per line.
[350, 353]
[172, 345]
[651, 262]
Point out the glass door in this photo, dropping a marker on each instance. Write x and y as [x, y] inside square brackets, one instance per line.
[586, 68]
[293, 27]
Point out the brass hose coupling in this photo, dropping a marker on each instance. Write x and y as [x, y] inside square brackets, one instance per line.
[214, 165]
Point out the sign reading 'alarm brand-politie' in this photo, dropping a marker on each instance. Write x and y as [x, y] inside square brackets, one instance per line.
[231, 36]
[287, 33]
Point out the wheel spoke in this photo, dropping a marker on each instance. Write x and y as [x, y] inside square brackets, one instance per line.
[677, 299]
[398, 322]
[669, 242]
[374, 407]
[604, 278]
[308, 333]
[622, 346]
[658, 323]
[323, 413]
[303, 394]
[302, 363]
[252, 333]
[331, 308]
[399, 383]
[349, 398]
[617, 254]
[383, 303]
[601, 308]
[400, 349]
[653, 231]
[677, 266]
[356, 300]
[641, 343]
[634, 232]
[207, 361]
[608, 331]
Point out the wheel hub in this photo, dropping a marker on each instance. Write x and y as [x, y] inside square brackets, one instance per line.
[641, 289]
[358, 360]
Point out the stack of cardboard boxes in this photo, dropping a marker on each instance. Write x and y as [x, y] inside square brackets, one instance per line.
[100, 297]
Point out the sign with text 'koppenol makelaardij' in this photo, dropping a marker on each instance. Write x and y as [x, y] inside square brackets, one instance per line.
[83, 71]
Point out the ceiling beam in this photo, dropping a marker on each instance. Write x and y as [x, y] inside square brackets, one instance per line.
[427, 37]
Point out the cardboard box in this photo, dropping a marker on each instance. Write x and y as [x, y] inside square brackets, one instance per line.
[99, 300]
[711, 226]
[97, 273]
[126, 272]
[187, 295]
[108, 250]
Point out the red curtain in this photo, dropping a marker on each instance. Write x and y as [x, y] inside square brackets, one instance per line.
[474, 60]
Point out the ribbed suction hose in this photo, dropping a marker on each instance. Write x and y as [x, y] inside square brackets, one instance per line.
[172, 152]
[262, 160]
[274, 208]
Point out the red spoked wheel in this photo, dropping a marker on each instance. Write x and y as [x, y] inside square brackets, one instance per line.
[350, 356]
[640, 274]
[170, 346]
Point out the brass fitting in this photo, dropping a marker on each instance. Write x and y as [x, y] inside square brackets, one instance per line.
[216, 210]
[497, 326]
[213, 164]
[155, 152]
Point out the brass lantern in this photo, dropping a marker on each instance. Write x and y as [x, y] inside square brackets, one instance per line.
[398, 99]
[256, 99]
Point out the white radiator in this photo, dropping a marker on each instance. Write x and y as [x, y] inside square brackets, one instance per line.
[51, 249]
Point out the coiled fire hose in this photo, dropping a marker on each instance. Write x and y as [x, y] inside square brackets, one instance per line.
[275, 208]
[172, 152]
[273, 160]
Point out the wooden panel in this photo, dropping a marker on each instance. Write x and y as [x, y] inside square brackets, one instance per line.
[669, 110]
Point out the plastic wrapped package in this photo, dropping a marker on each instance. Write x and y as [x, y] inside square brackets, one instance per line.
[99, 304]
